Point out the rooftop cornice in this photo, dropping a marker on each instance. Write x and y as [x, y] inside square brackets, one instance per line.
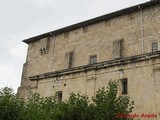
[100, 65]
[94, 20]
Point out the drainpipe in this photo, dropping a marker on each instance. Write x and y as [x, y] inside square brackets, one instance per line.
[142, 30]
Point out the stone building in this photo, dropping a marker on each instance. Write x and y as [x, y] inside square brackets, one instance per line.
[122, 46]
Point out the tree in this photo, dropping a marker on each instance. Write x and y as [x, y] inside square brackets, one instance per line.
[11, 107]
[76, 107]
[106, 105]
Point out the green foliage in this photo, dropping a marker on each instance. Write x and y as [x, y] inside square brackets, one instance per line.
[108, 105]
[11, 107]
[39, 108]
[104, 106]
[76, 108]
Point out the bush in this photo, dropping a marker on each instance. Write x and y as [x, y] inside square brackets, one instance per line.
[11, 107]
[105, 106]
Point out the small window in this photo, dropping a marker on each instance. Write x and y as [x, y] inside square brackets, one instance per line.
[93, 59]
[124, 84]
[69, 59]
[44, 45]
[154, 47]
[118, 49]
[59, 96]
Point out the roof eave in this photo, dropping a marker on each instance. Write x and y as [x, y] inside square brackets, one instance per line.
[94, 20]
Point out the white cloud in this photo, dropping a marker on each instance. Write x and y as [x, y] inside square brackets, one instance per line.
[41, 3]
[101, 7]
[13, 53]
[38, 3]
[18, 51]
[8, 76]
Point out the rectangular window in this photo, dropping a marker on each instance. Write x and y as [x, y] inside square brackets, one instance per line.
[59, 95]
[154, 47]
[93, 59]
[124, 85]
[44, 45]
[117, 48]
[69, 59]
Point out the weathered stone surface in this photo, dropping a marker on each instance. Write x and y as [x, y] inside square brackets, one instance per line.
[143, 76]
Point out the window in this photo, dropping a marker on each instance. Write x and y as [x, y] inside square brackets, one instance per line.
[154, 47]
[93, 59]
[117, 48]
[44, 45]
[69, 59]
[124, 85]
[59, 96]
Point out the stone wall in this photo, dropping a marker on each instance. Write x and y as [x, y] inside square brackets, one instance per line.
[143, 83]
[97, 39]
[127, 35]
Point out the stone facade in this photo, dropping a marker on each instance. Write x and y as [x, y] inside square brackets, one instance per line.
[124, 45]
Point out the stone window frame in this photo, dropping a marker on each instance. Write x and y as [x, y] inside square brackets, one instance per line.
[45, 46]
[69, 57]
[124, 86]
[91, 57]
[118, 48]
[59, 95]
[154, 46]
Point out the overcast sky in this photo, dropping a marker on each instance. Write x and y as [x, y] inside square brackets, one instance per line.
[21, 19]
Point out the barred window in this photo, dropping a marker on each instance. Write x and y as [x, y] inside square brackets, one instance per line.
[154, 47]
[93, 59]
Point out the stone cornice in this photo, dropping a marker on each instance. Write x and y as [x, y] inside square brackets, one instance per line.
[100, 65]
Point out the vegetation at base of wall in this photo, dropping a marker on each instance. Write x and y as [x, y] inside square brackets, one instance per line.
[104, 106]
